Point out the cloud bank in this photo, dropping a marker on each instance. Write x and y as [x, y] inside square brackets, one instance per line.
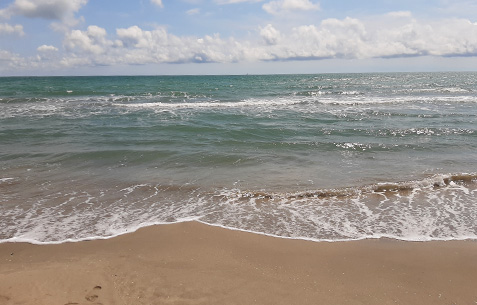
[391, 35]
[331, 38]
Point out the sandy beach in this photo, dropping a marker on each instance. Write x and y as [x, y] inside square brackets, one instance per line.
[192, 263]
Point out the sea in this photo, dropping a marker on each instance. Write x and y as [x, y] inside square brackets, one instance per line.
[324, 157]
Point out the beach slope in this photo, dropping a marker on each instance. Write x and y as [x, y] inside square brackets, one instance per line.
[192, 263]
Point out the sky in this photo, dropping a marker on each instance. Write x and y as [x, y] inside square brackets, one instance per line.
[157, 37]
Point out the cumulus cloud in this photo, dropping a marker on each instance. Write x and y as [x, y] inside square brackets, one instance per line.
[46, 9]
[7, 29]
[270, 35]
[353, 38]
[160, 46]
[46, 53]
[13, 61]
[158, 3]
[93, 40]
[386, 36]
[134, 36]
[331, 38]
[46, 49]
[285, 6]
[133, 45]
[62, 12]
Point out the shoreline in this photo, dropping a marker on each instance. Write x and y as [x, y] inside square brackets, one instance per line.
[195, 263]
[15, 240]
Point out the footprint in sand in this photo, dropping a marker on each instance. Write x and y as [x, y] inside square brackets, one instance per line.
[92, 296]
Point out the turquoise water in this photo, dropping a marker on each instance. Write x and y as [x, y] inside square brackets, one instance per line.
[319, 157]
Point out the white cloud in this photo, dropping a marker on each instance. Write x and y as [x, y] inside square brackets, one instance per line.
[46, 54]
[62, 11]
[134, 45]
[353, 38]
[160, 46]
[13, 61]
[332, 38]
[285, 6]
[7, 29]
[93, 40]
[270, 35]
[158, 3]
[46, 9]
[6, 56]
[134, 36]
[193, 11]
[46, 49]
[386, 36]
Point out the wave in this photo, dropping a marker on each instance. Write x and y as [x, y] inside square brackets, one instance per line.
[439, 207]
[174, 98]
[341, 105]
[433, 182]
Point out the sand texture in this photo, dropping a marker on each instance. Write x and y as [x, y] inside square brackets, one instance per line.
[192, 263]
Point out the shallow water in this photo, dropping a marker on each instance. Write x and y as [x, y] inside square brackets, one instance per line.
[320, 157]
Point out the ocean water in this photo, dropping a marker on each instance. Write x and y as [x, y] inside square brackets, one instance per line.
[327, 157]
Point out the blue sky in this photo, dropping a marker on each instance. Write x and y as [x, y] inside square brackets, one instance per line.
[101, 37]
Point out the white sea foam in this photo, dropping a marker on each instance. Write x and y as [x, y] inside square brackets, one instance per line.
[397, 215]
[214, 104]
[455, 90]
[100, 104]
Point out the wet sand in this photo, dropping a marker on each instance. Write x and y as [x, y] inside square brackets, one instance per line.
[192, 263]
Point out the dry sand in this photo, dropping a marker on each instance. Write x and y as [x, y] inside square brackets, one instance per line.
[191, 263]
